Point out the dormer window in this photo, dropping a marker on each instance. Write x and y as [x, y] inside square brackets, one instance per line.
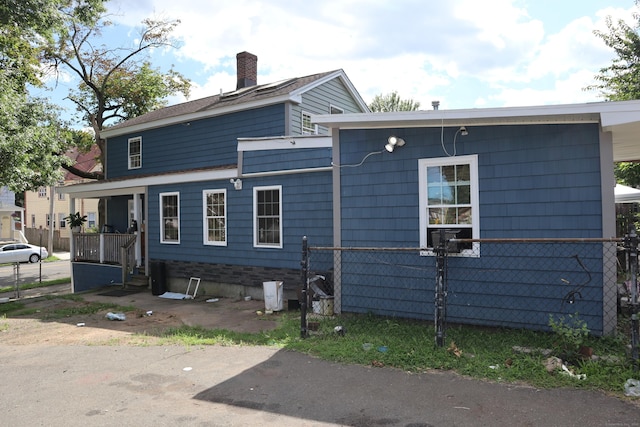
[135, 152]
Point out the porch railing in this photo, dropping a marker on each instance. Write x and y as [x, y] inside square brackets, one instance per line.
[103, 248]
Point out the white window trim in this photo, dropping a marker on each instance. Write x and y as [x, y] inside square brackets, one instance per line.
[130, 140]
[255, 216]
[205, 225]
[472, 161]
[307, 131]
[160, 199]
[334, 107]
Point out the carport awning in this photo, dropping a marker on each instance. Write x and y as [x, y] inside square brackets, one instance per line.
[625, 194]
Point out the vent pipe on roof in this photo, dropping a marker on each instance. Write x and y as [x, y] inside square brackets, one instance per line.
[435, 104]
[247, 69]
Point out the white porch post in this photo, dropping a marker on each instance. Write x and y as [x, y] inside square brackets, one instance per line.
[72, 245]
[137, 209]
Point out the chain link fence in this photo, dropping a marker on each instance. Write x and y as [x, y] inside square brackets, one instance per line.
[513, 283]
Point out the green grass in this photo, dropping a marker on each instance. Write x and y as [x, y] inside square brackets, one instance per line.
[485, 353]
[17, 308]
[36, 284]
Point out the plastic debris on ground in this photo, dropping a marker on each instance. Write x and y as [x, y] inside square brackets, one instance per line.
[213, 300]
[115, 316]
[632, 388]
[567, 371]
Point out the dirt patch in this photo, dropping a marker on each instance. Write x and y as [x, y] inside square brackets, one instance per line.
[56, 321]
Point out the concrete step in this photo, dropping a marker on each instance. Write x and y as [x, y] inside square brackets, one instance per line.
[138, 280]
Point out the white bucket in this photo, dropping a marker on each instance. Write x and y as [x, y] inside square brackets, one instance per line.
[273, 295]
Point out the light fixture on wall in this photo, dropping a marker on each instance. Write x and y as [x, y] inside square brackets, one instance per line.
[393, 142]
[462, 131]
[237, 183]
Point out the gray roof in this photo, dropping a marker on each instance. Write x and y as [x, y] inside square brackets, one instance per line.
[258, 94]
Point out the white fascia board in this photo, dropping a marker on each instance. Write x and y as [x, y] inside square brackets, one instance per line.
[139, 185]
[610, 119]
[283, 143]
[569, 113]
[199, 115]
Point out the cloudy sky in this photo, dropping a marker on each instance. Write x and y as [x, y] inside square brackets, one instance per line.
[464, 53]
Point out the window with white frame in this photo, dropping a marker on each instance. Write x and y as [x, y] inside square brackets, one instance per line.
[63, 223]
[170, 217]
[42, 192]
[308, 128]
[91, 219]
[449, 200]
[33, 220]
[135, 152]
[214, 204]
[335, 110]
[267, 217]
[49, 220]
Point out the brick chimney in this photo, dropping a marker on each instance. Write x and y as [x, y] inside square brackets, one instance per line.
[247, 70]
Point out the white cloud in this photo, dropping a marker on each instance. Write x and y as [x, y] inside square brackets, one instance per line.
[477, 53]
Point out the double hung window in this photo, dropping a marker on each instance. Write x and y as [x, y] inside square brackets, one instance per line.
[267, 217]
[170, 218]
[135, 152]
[215, 217]
[449, 200]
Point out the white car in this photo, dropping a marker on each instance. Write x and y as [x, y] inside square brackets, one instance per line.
[21, 252]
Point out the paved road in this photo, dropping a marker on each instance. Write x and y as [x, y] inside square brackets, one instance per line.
[31, 273]
[247, 386]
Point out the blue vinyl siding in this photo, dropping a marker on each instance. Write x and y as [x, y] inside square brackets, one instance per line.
[304, 212]
[279, 160]
[199, 144]
[539, 181]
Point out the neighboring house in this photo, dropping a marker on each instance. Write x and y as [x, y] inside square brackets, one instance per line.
[223, 187]
[38, 203]
[8, 211]
[526, 172]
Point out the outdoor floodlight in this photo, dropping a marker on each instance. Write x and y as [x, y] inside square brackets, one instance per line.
[393, 142]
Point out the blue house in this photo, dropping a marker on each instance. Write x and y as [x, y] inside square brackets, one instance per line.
[220, 188]
[223, 188]
[492, 176]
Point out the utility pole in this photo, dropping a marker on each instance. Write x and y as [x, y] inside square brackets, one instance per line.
[52, 195]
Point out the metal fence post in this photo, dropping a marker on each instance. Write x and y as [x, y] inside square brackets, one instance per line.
[441, 290]
[631, 244]
[305, 285]
[16, 275]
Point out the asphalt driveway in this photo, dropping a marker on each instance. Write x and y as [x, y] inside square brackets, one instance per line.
[238, 386]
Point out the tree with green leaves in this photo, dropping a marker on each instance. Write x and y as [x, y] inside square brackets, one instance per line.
[392, 102]
[620, 81]
[115, 83]
[32, 138]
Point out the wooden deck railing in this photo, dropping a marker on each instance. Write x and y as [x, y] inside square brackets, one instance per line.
[104, 248]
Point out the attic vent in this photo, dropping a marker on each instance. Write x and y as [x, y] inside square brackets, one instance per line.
[237, 93]
[276, 85]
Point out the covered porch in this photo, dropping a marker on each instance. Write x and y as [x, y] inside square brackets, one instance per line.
[116, 254]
